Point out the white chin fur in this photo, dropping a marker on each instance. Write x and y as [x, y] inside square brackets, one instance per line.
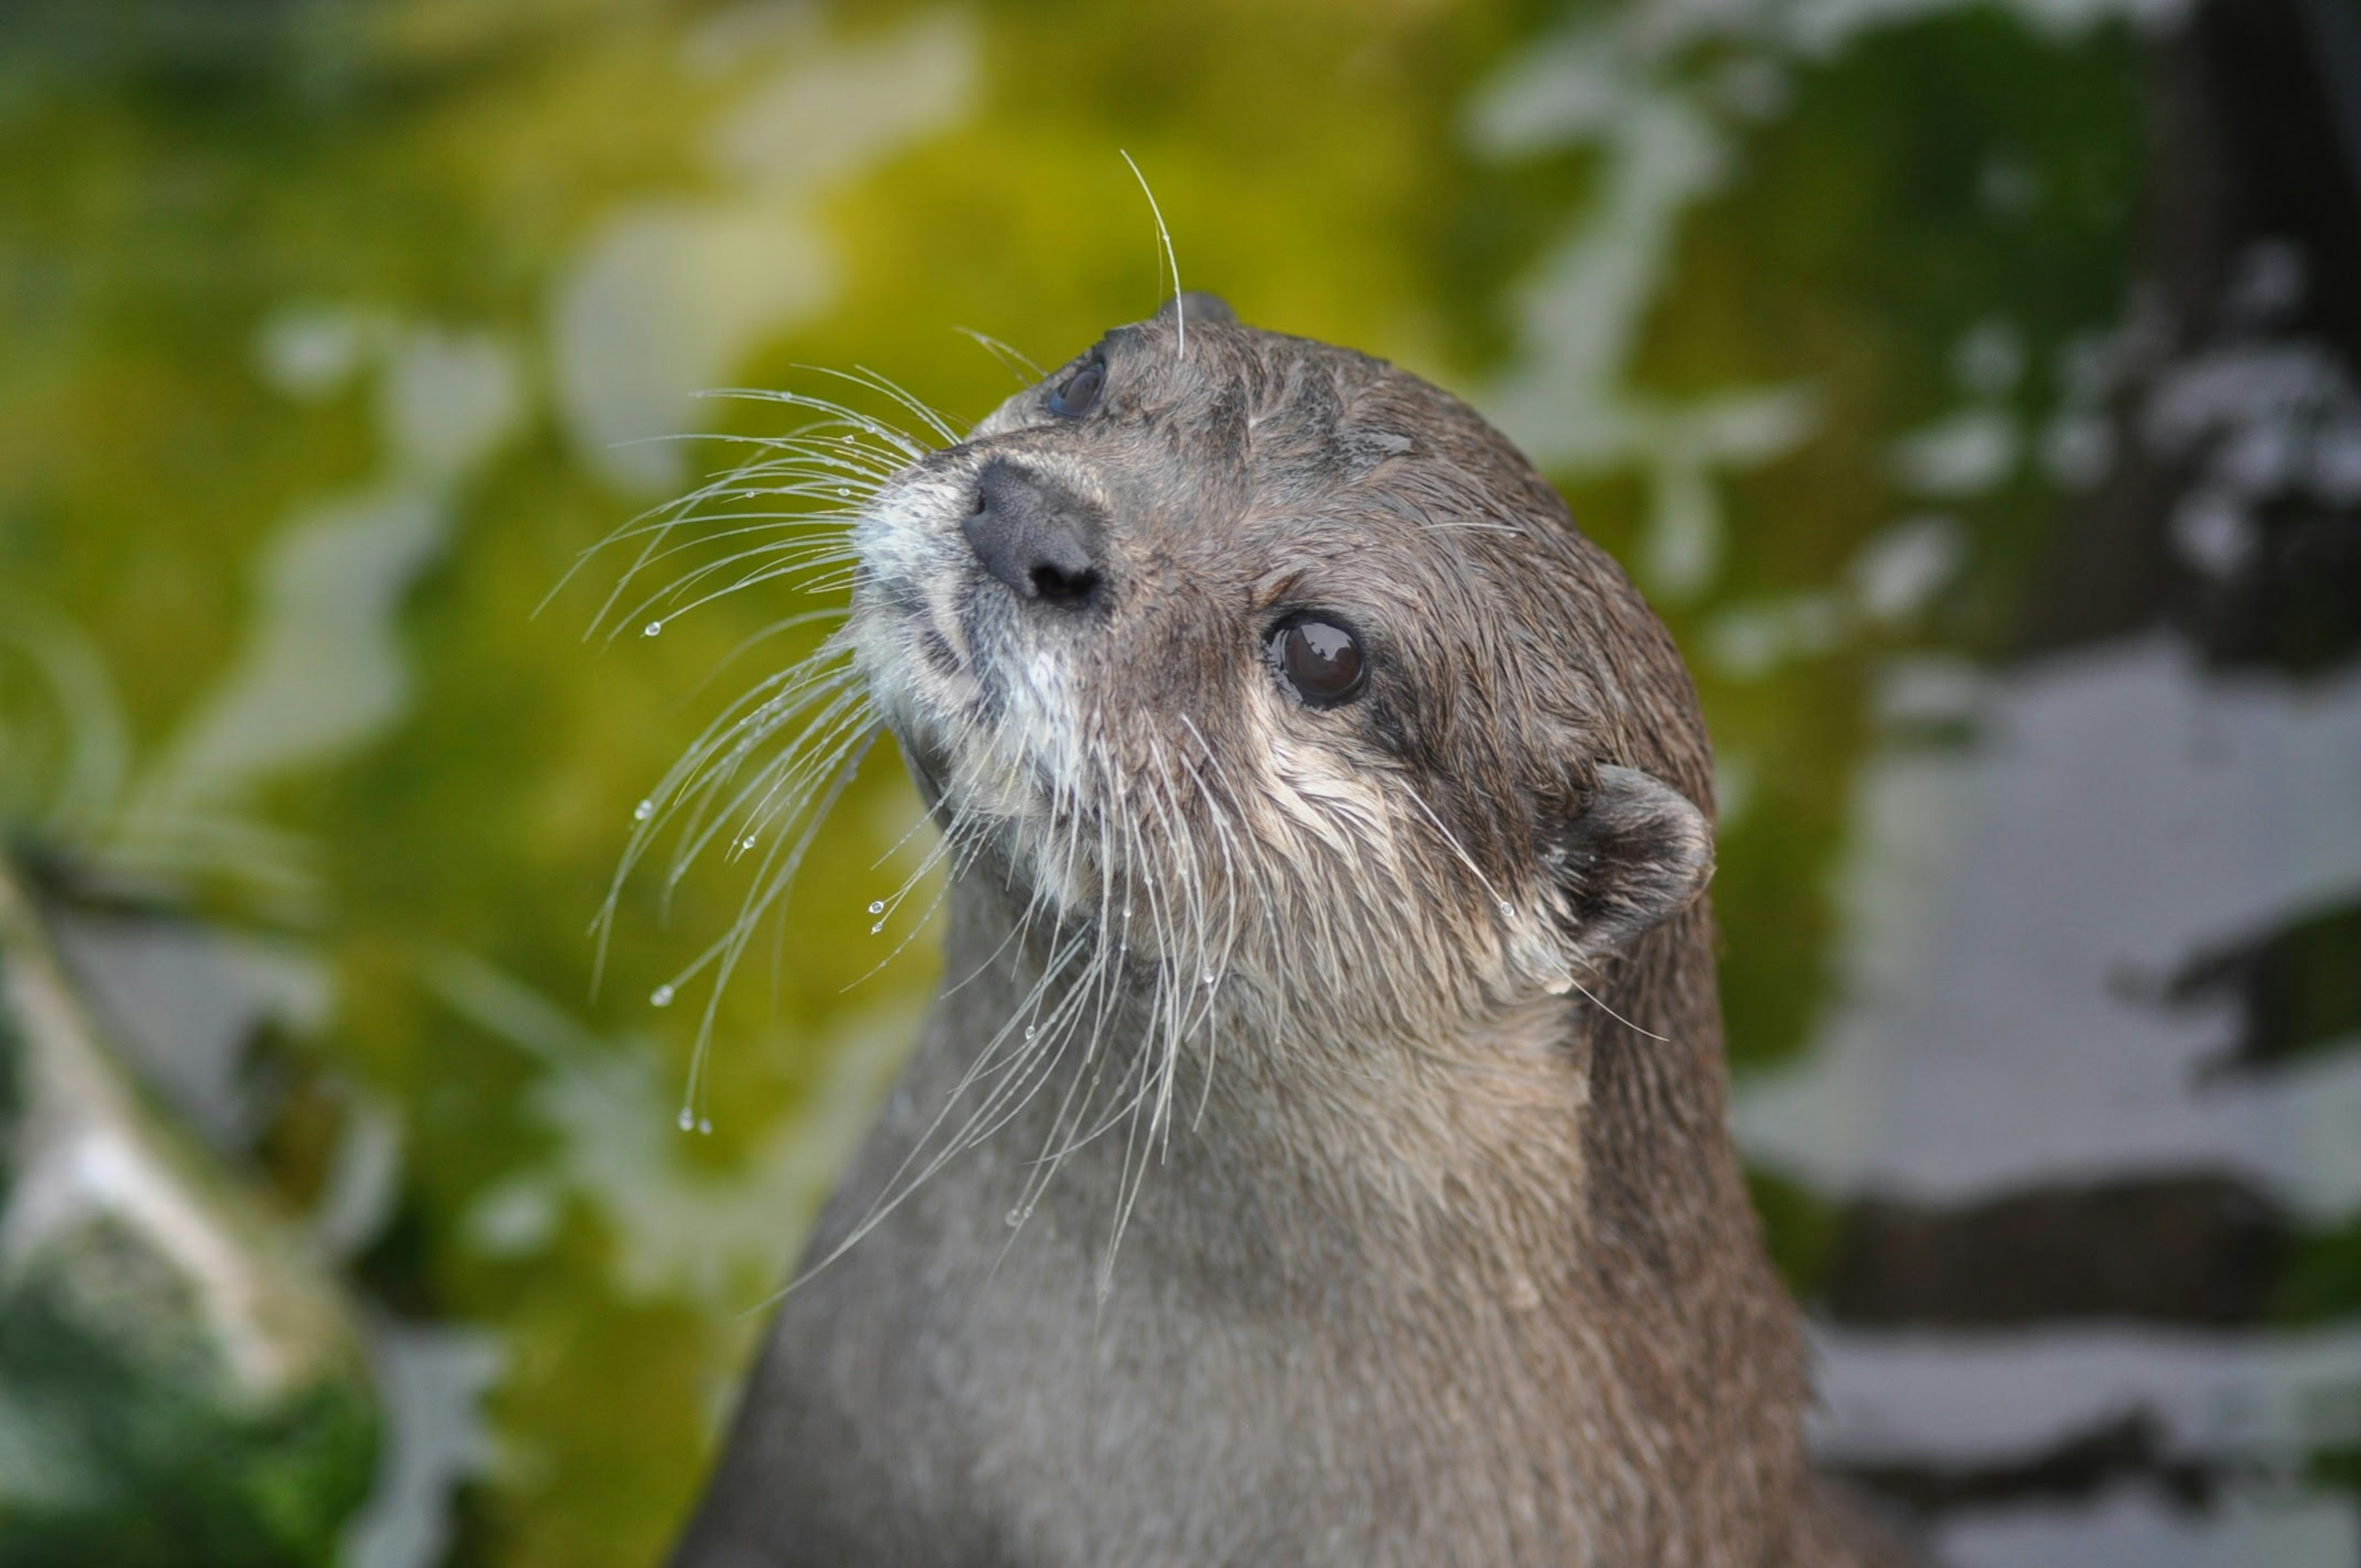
[991, 761]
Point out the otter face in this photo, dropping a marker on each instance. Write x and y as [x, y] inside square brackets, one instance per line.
[1280, 671]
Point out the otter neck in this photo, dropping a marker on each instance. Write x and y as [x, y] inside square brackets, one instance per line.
[1515, 1148]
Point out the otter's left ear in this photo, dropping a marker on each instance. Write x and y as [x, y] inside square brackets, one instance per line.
[1631, 858]
[1196, 305]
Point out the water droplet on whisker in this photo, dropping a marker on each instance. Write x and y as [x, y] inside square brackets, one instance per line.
[1508, 910]
[687, 1122]
[705, 1125]
[661, 997]
[876, 906]
[642, 811]
[1015, 1218]
[654, 626]
[1030, 1031]
[873, 930]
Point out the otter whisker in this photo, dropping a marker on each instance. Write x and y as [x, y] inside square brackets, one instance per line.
[768, 705]
[785, 794]
[1184, 945]
[829, 561]
[831, 445]
[949, 844]
[819, 490]
[935, 420]
[1045, 1041]
[1164, 238]
[823, 770]
[1018, 931]
[1593, 999]
[824, 555]
[653, 527]
[671, 515]
[834, 581]
[861, 376]
[1081, 1086]
[1203, 974]
[760, 635]
[843, 713]
[1082, 1090]
[840, 415]
[797, 553]
[773, 881]
[901, 1184]
[1152, 1065]
[1507, 909]
[1215, 967]
[813, 466]
[795, 525]
[1022, 368]
[917, 928]
[797, 689]
[918, 825]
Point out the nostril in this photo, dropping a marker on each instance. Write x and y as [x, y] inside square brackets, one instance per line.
[1063, 586]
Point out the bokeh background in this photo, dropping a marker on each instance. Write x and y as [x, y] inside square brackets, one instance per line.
[1970, 383]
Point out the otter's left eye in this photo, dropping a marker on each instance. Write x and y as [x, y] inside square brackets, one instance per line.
[1319, 659]
[1079, 393]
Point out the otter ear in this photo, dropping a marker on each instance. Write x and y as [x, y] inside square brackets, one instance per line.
[1196, 305]
[1631, 858]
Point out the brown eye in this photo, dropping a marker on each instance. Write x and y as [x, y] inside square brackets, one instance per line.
[1319, 659]
[1078, 394]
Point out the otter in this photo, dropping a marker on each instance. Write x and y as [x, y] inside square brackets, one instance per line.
[1328, 1033]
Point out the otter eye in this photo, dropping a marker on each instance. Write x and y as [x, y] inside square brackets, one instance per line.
[1319, 659]
[1078, 394]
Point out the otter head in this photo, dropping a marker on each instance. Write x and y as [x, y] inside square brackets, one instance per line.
[1274, 671]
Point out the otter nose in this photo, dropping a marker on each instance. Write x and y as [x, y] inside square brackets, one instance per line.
[1035, 535]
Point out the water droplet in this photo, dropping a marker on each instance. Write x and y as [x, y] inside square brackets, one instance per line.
[747, 842]
[876, 906]
[1015, 1218]
[654, 626]
[661, 997]
[843, 491]
[873, 930]
[1508, 910]
[1030, 1031]
[1106, 1288]
[1209, 977]
[642, 811]
[705, 1125]
[687, 1122]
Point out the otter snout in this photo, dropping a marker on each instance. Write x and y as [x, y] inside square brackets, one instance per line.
[1041, 539]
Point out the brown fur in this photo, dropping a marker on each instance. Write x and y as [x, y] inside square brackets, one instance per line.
[1412, 1231]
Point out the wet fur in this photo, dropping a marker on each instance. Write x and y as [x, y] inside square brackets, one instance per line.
[1415, 1237]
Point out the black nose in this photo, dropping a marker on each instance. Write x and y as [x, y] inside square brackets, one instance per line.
[1035, 535]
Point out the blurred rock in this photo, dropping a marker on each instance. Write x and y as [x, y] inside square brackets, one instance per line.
[181, 1379]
